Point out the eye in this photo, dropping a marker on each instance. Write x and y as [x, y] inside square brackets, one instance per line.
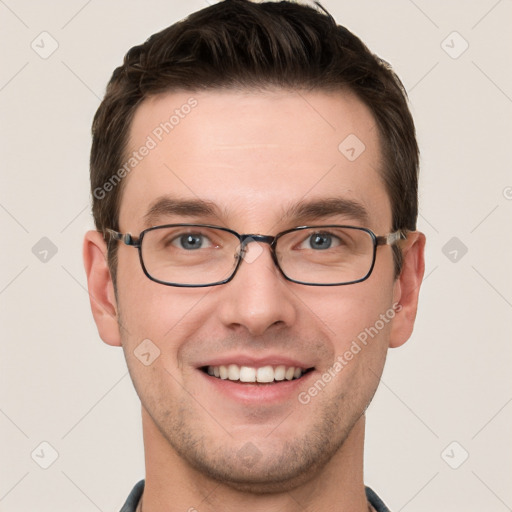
[321, 241]
[191, 241]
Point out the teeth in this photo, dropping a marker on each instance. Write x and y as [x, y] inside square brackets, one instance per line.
[280, 372]
[247, 374]
[233, 372]
[223, 371]
[263, 374]
[289, 373]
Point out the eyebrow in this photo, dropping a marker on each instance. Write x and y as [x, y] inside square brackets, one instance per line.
[301, 212]
[167, 205]
[328, 207]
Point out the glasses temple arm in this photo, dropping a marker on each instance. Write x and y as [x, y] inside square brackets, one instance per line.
[126, 238]
[392, 238]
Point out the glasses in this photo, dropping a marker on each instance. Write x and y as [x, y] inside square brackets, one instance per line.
[199, 255]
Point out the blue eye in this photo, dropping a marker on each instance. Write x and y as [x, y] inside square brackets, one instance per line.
[320, 241]
[191, 241]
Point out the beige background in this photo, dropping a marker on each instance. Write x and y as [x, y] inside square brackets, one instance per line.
[451, 382]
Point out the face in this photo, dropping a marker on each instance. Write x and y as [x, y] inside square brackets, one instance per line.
[255, 158]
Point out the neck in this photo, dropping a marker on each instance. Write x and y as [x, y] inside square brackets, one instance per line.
[173, 485]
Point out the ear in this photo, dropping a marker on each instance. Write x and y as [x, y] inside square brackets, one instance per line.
[101, 288]
[407, 288]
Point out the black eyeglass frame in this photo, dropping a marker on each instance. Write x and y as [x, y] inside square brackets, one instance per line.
[136, 242]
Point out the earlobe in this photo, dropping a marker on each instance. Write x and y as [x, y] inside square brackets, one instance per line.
[101, 289]
[407, 288]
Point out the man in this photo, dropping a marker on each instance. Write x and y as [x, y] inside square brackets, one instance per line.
[254, 175]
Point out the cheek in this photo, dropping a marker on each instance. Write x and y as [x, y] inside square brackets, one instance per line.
[349, 312]
[149, 309]
[155, 325]
[359, 325]
[358, 319]
[156, 320]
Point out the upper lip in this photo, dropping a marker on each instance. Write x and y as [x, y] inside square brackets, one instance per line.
[255, 362]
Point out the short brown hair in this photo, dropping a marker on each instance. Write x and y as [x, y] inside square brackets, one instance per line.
[240, 44]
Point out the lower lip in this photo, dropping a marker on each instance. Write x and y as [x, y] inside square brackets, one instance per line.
[253, 393]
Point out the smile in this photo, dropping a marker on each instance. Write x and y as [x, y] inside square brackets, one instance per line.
[264, 374]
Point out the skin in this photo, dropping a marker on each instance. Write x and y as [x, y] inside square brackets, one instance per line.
[253, 154]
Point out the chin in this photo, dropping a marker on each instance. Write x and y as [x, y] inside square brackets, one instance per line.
[264, 467]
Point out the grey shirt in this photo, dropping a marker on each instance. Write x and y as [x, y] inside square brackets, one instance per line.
[134, 497]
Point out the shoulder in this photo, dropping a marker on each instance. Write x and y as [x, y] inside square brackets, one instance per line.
[133, 499]
[375, 501]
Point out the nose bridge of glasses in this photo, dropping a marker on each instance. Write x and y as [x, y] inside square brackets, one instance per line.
[264, 239]
[245, 240]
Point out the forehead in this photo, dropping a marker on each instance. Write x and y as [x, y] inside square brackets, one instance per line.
[253, 154]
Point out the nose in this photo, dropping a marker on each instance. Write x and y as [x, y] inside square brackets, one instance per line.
[258, 298]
